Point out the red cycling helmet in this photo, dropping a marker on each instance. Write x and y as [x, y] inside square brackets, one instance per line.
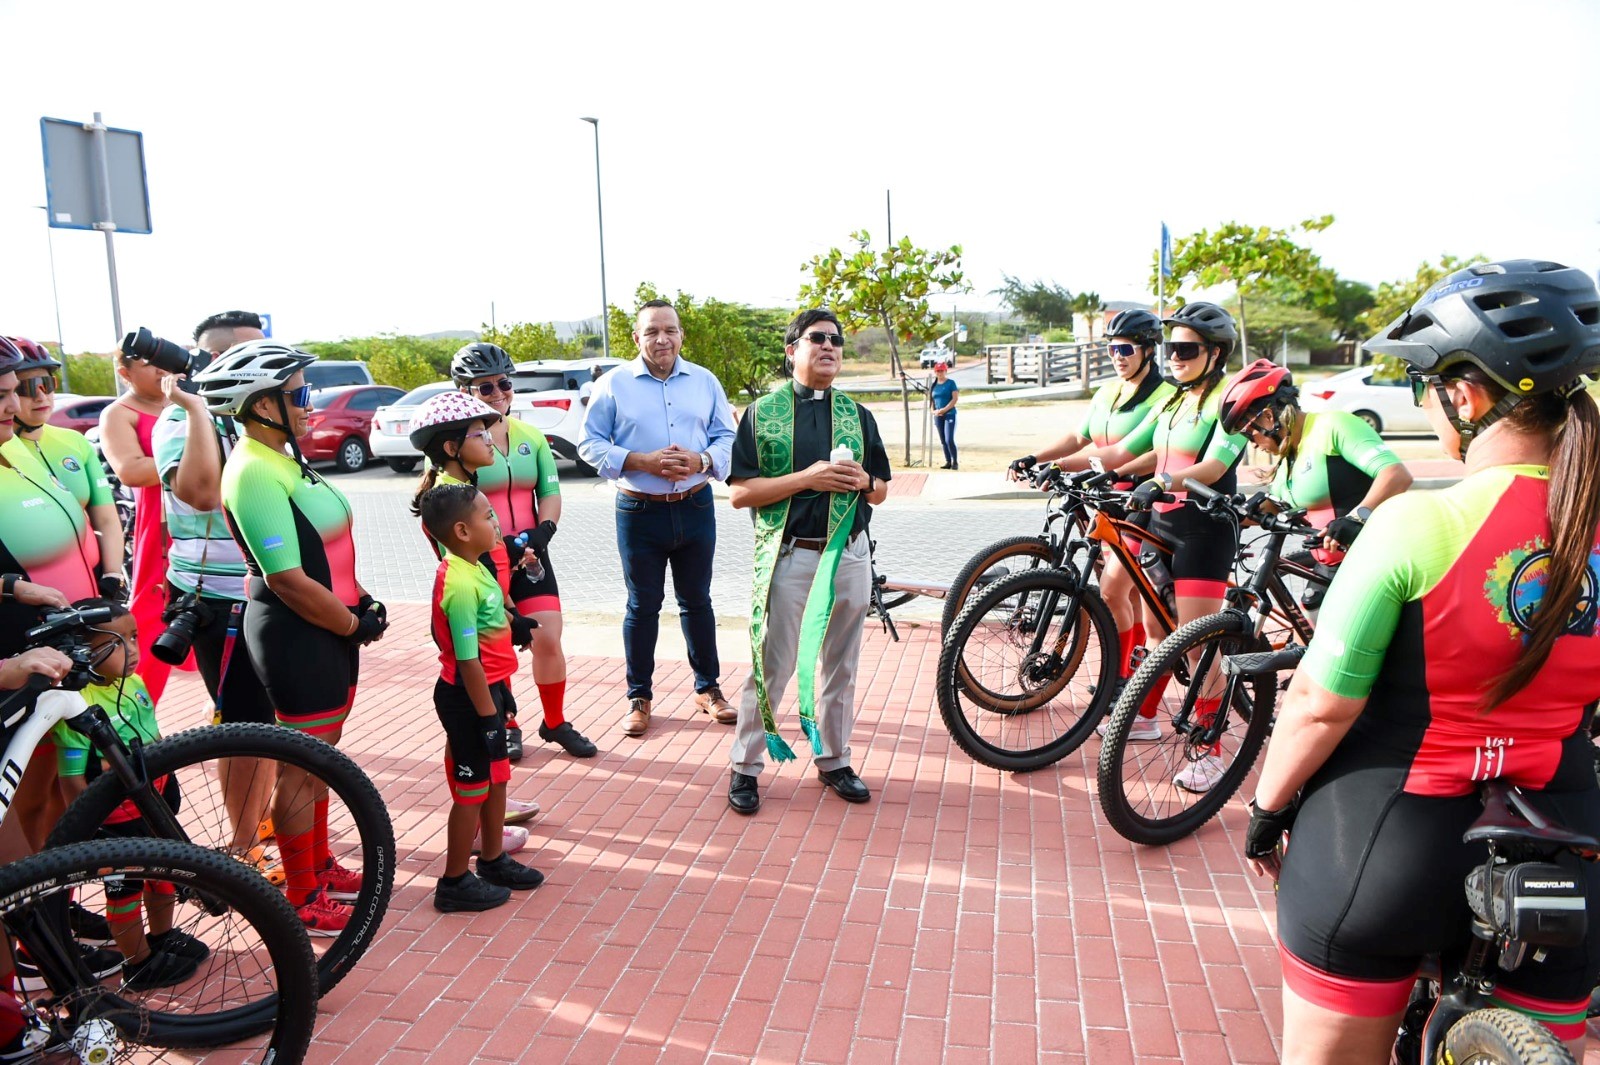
[1250, 391]
[34, 355]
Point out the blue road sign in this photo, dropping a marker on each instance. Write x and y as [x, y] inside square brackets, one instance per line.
[266, 324]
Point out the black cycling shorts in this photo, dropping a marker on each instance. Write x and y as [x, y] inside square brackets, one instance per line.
[1373, 881]
[310, 673]
[242, 697]
[1203, 550]
[467, 767]
[529, 595]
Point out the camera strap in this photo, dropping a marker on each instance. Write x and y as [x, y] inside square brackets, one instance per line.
[235, 616]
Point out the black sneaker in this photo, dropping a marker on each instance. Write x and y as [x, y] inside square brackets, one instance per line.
[36, 1040]
[507, 872]
[469, 894]
[100, 961]
[514, 743]
[570, 739]
[176, 941]
[160, 969]
[88, 926]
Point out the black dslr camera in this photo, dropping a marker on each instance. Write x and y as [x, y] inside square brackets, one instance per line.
[183, 616]
[164, 354]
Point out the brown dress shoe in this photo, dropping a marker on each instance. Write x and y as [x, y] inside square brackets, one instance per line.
[711, 701]
[638, 719]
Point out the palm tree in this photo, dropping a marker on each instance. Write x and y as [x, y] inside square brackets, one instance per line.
[1088, 304]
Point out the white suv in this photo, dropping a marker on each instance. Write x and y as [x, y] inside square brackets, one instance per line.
[548, 396]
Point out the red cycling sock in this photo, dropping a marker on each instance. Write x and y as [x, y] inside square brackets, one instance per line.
[553, 697]
[1125, 645]
[1205, 712]
[1152, 702]
[320, 852]
[299, 866]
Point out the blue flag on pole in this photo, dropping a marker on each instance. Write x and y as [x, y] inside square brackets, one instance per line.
[1166, 251]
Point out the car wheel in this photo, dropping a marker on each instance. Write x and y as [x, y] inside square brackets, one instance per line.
[351, 456]
[401, 465]
[1371, 419]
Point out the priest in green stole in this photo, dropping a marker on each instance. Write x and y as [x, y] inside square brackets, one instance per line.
[809, 462]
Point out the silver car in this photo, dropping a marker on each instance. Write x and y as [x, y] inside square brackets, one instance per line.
[391, 427]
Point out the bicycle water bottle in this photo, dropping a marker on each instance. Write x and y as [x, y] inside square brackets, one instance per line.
[530, 561]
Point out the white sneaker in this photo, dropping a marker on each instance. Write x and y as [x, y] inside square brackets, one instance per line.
[1144, 729]
[1201, 775]
[512, 839]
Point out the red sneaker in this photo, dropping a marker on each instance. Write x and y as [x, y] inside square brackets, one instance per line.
[338, 883]
[324, 917]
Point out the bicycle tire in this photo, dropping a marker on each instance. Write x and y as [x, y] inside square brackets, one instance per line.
[1026, 729]
[1036, 548]
[1503, 1037]
[1158, 812]
[205, 818]
[149, 1017]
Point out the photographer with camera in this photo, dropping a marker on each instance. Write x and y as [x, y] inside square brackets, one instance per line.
[206, 571]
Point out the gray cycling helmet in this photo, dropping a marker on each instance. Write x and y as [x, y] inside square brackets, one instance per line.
[1139, 326]
[1531, 325]
[1210, 321]
[479, 360]
[244, 371]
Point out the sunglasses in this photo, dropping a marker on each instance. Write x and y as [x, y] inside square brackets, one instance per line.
[299, 397]
[819, 338]
[1184, 350]
[488, 387]
[34, 387]
[1123, 351]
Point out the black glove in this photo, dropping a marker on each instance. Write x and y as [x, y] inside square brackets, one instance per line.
[494, 740]
[1146, 494]
[1345, 529]
[539, 537]
[113, 586]
[1024, 464]
[1266, 829]
[522, 628]
[370, 624]
[365, 601]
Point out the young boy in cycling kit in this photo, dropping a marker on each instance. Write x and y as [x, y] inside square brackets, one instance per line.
[165, 956]
[473, 699]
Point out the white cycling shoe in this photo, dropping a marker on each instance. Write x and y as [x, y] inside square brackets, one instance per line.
[1201, 775]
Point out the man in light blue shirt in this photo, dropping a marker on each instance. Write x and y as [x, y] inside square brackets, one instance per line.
[661, 428]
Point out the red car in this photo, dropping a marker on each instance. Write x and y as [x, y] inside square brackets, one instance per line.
[341, 421]
[78, 413]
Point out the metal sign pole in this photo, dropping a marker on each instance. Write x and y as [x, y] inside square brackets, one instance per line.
[104, 223]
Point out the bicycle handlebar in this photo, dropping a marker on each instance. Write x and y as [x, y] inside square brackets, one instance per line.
[1253, 509]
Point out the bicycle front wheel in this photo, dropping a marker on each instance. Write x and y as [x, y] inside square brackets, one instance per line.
[256, 981]
[360, 833]
[1014, 554]
[1503, 1037]
[1172, 777]
[1010, 706]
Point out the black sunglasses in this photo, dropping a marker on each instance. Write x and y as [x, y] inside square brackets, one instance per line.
[1184, 350]
[488, 387]
[819, 338]
[1419, 384]
[1123, 351]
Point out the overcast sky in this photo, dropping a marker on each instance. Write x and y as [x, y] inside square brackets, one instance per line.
[355, 168]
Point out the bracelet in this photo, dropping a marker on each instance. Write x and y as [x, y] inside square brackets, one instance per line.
[355, 623]
[8, 586]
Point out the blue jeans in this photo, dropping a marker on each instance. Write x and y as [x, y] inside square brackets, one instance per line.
[945, 425]
[649, 536]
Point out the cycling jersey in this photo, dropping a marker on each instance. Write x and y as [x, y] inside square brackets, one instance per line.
[469, 620]
[196, 534]
[1331, 470]
[1184, 434]
[288, 518]
[1117, 410]
[71, 460]
[517, 479]
[496, 559]
[132, 712]
[45, 536]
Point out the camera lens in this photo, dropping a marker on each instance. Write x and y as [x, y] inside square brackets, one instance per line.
[172, 646]
[158, 352]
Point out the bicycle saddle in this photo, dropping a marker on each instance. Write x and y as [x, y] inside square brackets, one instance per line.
[1509, 818]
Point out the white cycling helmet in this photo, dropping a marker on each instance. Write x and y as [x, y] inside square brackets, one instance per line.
[445, 412]
[246, 370]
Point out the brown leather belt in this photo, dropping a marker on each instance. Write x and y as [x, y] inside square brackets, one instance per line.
[670, 497]
[802, 544]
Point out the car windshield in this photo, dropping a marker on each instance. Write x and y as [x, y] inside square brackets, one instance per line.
[425, 392]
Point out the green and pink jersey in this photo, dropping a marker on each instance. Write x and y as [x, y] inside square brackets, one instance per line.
[1118, 408]
[127, 703]
[517, 480]
[1333, 466]
[1431, 604]
[287, 518]
[44, 532]
[1185, 433]
[71, 460]
[470, 621]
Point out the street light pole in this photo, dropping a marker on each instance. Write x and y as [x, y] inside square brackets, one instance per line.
[600, 215]
[61, 343]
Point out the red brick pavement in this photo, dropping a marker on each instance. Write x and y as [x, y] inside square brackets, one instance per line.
[964, 915]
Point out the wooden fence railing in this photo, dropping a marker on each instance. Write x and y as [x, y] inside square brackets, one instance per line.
[1083, 365]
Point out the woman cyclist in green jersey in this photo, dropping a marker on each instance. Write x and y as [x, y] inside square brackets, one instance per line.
[1118, 407]
[1457, 645]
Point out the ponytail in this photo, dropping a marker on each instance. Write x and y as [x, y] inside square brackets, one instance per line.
[1574, 514]
[430, 475]
[437, 458]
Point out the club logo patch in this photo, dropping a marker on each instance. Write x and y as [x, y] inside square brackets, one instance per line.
[72, 464]
[524, 449]
[1516, 584]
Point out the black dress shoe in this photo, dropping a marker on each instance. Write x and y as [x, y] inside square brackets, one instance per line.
[845, 782]
[743, 795]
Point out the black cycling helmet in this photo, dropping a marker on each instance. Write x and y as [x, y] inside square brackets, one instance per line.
[1210, 321]
[1139, 326]
[479, 360]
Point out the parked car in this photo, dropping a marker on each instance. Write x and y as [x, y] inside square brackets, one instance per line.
[341, 422]
[324, 374]
[548, 396]
[81, 413]
[933, 355]
[391, 427]
[1383, 404]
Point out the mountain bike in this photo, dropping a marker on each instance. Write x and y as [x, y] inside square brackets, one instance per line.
[257, 975]
[1224, 666]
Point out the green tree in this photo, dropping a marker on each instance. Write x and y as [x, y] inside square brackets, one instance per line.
[742, 346]
[89, 374]
[1280, 314]
[402, 361]
[525, 341]
[1252, 258]
[1039, 303]
[1351, 302]
[1091, 307]
[888, 288]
